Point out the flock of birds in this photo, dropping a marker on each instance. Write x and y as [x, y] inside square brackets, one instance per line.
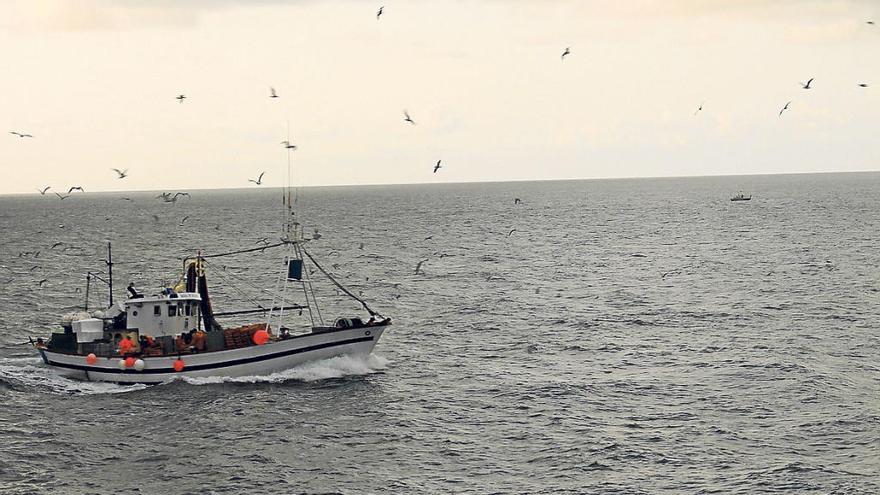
[172, 198]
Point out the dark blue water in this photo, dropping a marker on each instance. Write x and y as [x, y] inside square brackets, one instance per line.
[630, 336]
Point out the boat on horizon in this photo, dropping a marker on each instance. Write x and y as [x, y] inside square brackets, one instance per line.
[741, 197]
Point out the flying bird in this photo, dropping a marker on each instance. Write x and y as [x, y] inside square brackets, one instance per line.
[288, 145]
[19, 134]
[419, 266]
[517, 201]
[121, 173]
[259, 179]
[407, 118]
[75, 188]
[180, 98]
[566, 52]
[62, 197]
[699, 109]
[784, 108]
[182, 220]
[181, 194]
[870, 22]
[379, 14]
[41, 282]
[863, 85]
[43, 191]
[125, 198]
[511, 232]
[56, 245]
[807, 85]
[437, 167]
[272, 93]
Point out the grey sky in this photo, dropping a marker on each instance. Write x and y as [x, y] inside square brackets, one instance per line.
[94, 81]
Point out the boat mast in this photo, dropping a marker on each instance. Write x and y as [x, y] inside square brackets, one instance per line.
[110, 272]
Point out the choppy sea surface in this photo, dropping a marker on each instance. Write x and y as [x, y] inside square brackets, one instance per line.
[616, 336]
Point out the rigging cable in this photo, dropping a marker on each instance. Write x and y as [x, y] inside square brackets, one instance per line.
[340, 286]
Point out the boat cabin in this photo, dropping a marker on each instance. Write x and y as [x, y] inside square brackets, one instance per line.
[168, 314]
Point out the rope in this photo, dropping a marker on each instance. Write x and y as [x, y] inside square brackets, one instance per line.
[340, 286]
[251, 250]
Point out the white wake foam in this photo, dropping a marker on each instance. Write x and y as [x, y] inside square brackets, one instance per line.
[335, 367]
[30, 373]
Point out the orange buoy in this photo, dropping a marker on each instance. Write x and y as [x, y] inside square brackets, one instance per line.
[261, 337]
[129, 362]
[91, 358]
[178, 365]
[125, 345]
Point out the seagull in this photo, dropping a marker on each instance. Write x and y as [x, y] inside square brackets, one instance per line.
[62, 197]
[419, 266]
[379, 14]
[784, 108]
[437, 167]
[264, 240]
[56, 245]
[182, 220]
[863, 85]
[407, 118]
[807, 86]
[122, 173]
[511, 232]
[164, 195]
[180, 98]
[41, 282]
[517, 201]
[259, 179]
[288, 145]
[21, 135]
[870, 22]
[43, 191]
[125, 199]
[699, 109]
[272, 93]
[566, 52]
[75, 188]
[180, 194]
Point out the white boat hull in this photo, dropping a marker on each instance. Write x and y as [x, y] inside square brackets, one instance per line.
[257, 360]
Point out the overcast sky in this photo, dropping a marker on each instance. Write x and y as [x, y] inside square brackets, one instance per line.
[94, 81]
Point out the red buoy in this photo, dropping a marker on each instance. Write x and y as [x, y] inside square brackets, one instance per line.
[178, 365]
[261, 337]
[129, 362]
[91, 358]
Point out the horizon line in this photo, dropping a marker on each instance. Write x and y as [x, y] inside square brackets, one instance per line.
[560, 179]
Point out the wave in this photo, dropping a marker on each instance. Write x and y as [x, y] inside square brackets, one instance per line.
[325, 369]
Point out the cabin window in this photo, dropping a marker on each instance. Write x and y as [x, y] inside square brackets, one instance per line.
[157, 311]
[134, 313]
[188, 309]
[172, 310]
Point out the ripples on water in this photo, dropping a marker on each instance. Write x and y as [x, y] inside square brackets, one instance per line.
[632, 336]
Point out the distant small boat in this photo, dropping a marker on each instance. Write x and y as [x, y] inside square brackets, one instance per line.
[741, 197]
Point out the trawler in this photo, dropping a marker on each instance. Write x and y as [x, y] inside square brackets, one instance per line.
[740, 196]
[176, 332]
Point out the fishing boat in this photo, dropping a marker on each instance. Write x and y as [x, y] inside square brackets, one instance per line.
[176, 332]
[741, 197]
